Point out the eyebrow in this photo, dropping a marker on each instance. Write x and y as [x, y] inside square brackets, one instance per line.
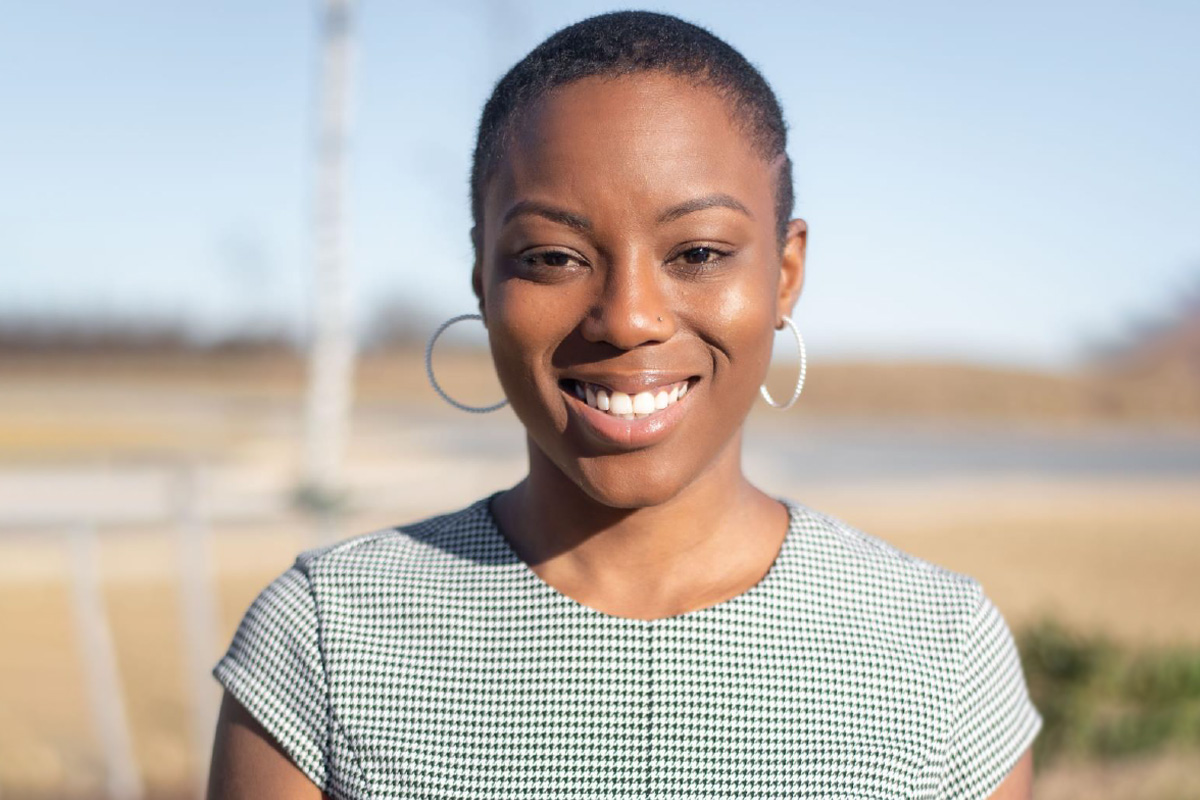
[699, 204]
[561, 216]
[581, 223]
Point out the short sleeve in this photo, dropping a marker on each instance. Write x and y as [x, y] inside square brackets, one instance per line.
[994, 719]
[274, 668]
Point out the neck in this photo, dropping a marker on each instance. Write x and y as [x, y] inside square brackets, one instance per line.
[712, 540]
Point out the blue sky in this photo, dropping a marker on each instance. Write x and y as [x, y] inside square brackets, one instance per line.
[992, 182]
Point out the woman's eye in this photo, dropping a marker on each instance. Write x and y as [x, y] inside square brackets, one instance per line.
[549, 259]
[697, 256]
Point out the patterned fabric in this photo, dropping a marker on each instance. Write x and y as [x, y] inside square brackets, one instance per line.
[430, 662]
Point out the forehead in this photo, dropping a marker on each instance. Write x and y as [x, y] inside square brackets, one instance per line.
[646, 138]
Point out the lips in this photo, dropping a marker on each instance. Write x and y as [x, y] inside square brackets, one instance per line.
[629, 419]
[626, 406]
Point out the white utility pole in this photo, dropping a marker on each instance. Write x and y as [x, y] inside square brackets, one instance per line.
[331, 358]
[198, 618]
[123, 779]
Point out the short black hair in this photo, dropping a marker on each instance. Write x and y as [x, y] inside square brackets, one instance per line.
[625, 43]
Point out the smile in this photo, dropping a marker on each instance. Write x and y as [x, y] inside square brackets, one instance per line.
[618, 404]
[642, 413]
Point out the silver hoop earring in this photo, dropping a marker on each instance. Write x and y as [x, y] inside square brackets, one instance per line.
[803, 368]
[433, 381]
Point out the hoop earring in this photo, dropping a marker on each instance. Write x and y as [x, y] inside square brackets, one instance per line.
[803, 368]
[433, 381]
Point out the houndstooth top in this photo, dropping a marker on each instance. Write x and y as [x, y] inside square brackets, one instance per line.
[430, 662]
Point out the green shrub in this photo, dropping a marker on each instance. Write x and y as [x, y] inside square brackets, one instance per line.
[1103, 701]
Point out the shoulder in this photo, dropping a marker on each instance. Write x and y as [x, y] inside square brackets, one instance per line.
[839, 555]
[934, 628]
[320, 606]
[444, 546]
[880, 592]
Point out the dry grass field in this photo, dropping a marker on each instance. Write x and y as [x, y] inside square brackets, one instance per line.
[104, 439]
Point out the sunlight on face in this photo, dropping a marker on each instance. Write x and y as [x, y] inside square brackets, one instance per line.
[630, 248]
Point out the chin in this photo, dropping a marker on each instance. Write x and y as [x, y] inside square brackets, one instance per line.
[629, 498]
[630, 482]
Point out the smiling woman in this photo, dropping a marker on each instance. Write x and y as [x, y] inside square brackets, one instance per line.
[633, 619]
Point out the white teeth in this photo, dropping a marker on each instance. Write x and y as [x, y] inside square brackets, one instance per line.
[624, 406]
[620, 404]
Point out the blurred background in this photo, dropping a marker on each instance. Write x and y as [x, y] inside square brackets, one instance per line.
[229, 229]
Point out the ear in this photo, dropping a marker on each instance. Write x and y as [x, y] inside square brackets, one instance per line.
[791, 269]
[477, 271]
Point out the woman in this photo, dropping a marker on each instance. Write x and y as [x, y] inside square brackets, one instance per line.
[634, 618]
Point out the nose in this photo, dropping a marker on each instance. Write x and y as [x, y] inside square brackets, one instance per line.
[632, 309]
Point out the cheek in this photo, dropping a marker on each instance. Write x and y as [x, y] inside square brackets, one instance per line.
[524, 331]
[511, 316]
[514, 336]
[738, 320]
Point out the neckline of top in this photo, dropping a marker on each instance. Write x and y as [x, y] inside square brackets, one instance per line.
[763, 587]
